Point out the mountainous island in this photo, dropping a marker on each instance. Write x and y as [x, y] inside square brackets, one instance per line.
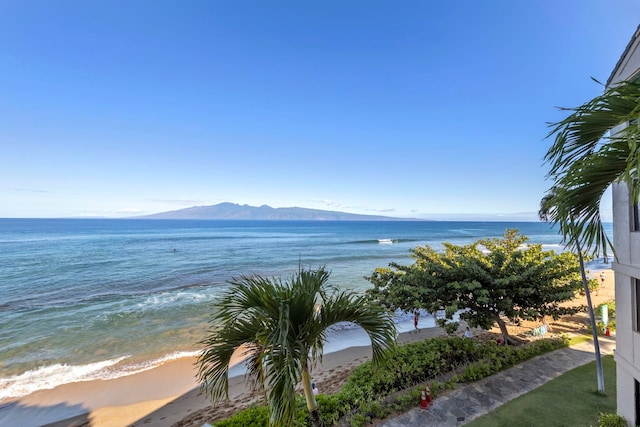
[264, 212]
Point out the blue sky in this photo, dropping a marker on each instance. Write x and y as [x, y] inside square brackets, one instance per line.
[430, 109]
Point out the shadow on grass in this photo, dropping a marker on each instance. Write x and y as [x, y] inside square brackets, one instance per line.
[569, 400]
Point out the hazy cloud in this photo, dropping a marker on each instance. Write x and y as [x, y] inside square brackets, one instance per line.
[129, 211]
[111, 212]
[338, 205]
[30, 190]
[329, 203]
[180, 202]
[516, 216]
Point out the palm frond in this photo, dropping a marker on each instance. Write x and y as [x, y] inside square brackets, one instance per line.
[585, 161]
[373, 319]
[582, 132]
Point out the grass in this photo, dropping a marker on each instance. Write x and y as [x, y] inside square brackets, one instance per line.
[577, 339]
[570, 400]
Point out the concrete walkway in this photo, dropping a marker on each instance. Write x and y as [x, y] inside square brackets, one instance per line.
[470, 401]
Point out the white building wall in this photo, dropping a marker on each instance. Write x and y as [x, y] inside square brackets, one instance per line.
[629, 62]
[627, 266]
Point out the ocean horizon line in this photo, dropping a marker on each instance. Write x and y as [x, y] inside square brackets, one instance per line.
[392, 219]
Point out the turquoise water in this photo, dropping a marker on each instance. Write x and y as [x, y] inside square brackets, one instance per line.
[87, 299]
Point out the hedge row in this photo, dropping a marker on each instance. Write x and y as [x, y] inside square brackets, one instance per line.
[376, 392]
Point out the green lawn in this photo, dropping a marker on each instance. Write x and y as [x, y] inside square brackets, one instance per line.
[570, 400]
[577, 339]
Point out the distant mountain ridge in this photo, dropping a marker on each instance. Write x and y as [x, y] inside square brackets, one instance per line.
[234, 211]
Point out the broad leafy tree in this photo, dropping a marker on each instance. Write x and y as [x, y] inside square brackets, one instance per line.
[485, 282]
[280, 327]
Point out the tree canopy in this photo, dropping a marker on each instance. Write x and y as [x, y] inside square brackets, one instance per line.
[484, 282]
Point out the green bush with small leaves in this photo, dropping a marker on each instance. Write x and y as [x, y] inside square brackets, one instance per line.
[593, 285]
[611, 420]
[366, 394]
[255, 416]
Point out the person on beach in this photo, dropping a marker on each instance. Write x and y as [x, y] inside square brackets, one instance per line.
[603, 277]
[415, 322]
[314, 389]
[467, 333]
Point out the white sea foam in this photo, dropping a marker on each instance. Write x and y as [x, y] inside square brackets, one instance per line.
[174, 299]
[48, 377]
[340, 336]
[150, 364]
[554, 247]
[399, 317]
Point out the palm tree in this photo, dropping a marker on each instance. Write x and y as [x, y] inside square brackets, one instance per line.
[595, 146]
[586, 158]
[545, 213]
[280, 327]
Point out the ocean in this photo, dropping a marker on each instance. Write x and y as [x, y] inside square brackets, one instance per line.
[85, 299]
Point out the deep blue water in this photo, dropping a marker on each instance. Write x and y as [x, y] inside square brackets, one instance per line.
[83, 299]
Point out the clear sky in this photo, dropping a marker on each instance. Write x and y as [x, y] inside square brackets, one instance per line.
[404, 108]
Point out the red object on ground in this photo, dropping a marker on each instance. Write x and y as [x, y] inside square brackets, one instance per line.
[607, 332]
[428, 393]
[423, 401]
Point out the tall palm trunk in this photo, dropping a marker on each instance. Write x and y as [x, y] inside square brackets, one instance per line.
[312, 405]
[592, 320]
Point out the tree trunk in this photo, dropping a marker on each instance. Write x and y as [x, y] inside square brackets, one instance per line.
[312, 405]
[503, 329]
[592, 321]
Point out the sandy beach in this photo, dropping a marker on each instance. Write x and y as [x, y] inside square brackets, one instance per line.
[162, 396]
[168, 394]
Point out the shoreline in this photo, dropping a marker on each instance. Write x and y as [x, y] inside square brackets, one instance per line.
[167, 394]
[80, 399]
[47, 377]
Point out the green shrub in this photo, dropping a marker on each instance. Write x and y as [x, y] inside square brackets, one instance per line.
[407, 399]
[359, 420]
[476, 372]
[411, 366]
[256, 416]
[611, 420]
[330, 408]
[593, 285]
